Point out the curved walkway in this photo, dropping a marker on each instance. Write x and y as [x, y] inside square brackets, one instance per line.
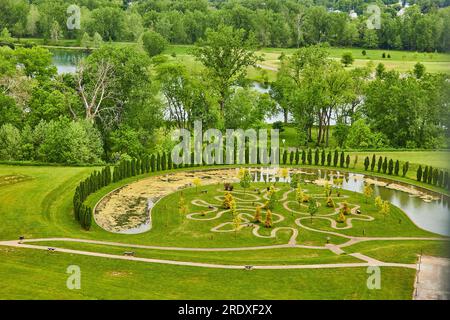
[368, 262]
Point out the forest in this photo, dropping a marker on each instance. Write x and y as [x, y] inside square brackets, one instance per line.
[124, 100]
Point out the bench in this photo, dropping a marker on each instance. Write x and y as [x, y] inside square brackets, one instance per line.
[51, 249]
[248, 267]
[129, 253]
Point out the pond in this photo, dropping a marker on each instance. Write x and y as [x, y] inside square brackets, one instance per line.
[66, 60]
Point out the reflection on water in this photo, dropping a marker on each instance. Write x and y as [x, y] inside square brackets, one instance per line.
[66, 60]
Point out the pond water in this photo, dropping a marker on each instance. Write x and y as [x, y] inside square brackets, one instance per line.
[66, 60]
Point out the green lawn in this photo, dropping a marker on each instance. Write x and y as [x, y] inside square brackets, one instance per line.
[34, 274]
[401, 251]
[282, 256]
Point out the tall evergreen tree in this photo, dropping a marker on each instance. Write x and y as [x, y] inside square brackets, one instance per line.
[419, 173]
[373, 163]
[390, 166]
[380, 163]
[396, 167]
[342, 159]
[385, 165]
[366, 163]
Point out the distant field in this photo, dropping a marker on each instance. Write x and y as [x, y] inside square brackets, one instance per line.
[402, 61]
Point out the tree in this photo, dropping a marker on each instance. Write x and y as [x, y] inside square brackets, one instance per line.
[366, 163]
[378, 202]
[390, 166]
[347, 59]
[33, 18]
[368, 192]
[342, 159]
[97, 40]
[385, 165]
[373, 163]
[85, 40]
[10, 143]
[226, 54]
[380, 163]
[335, 158]
[236, 224]
[182, 207]
[396, 167]
[347, 161]
[153, 43]
[419, 70]
[268, 223]
[245, 180]
[197, 182]
[385, 208]
[316, 157]
[309, 156]
[419, 173]
[55, 32]
[380, 70]
[405, 168]
[5, 36]
[312, 208]
[425, 174]
[258, 217]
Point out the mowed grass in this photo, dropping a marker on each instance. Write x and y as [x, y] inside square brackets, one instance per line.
[402, 61]
[41, 205]
[35, 274]
[282, 256]
[401, 251]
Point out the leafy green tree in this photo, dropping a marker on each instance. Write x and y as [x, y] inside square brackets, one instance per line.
[245, 180]
[153, 43]
[226, 54]
[347, 59]
[419, 70]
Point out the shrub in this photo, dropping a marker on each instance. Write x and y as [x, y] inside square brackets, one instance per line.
[405, 168]
[366, 163]
[396, 168]
[153, 43]
[419, 173]
[390, 167]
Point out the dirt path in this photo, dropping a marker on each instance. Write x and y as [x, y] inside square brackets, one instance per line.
[201, 264]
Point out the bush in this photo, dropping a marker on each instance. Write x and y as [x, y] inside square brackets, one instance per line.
[153, 43]
[419, 173]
